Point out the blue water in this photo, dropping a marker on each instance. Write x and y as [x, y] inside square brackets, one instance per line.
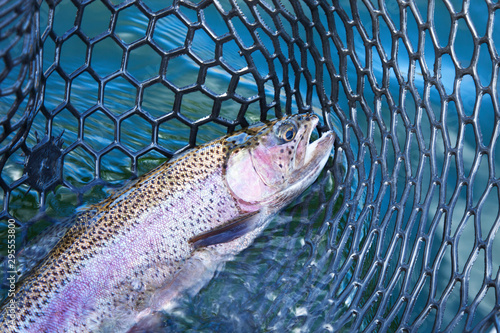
[282, 280]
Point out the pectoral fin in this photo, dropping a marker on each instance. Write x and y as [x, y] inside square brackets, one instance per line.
[228, 232]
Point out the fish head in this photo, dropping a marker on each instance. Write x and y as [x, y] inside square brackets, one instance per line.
[271, 164]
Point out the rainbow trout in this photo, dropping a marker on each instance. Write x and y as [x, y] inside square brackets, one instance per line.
[136, 251]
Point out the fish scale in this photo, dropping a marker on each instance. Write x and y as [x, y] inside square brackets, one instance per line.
[85, 238]
[164, 233]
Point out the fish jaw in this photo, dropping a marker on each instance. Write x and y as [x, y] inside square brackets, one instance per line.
[304, 145]
[279, 163]
[315, 157]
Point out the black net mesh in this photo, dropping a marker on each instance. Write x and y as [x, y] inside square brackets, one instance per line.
[399, 231]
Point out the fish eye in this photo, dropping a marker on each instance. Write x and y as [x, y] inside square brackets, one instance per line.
[287, 132]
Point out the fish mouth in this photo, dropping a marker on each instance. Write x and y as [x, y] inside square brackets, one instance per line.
[316, 150]
[316, 147]
[312, 157]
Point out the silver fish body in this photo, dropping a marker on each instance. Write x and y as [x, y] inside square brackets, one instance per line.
[166, 232]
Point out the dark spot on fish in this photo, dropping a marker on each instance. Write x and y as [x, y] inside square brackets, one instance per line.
[281, 166]
[282, 151]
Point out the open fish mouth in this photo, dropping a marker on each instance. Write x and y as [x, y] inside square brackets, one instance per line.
[312, 147]
[316, 150]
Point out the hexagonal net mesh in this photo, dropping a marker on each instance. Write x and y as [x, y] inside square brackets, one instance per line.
[399, 233]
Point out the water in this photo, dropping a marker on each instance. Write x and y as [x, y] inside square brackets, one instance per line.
[284, 280]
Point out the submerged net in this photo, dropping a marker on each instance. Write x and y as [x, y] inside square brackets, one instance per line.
[399, 232]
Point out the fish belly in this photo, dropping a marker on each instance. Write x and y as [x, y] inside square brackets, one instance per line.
[132, 274]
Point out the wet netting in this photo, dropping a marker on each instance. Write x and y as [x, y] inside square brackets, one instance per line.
[400, 231]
